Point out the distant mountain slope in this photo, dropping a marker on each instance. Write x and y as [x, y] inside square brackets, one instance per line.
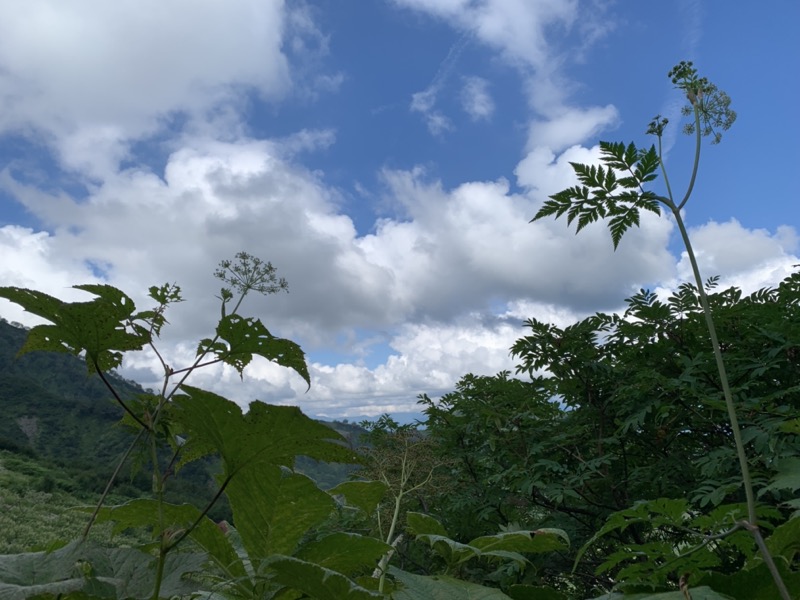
[54, 410]
[53, 407]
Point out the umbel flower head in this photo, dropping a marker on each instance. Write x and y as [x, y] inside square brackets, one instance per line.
[711, 104]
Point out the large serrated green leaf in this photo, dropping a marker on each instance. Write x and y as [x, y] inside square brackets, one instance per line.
[364, 495]
[266, 434]
[422, 524]
[97, 327]
[346, 553]
[245, 337]
[753, 584]
[784, 541]
[317, 582]
[86, 570]
[273, 509]
[146, 512]
[520, 541]
[451, 551]
[420, 587]
[788, 475]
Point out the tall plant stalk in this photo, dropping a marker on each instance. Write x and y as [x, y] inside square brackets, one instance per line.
[617, 192]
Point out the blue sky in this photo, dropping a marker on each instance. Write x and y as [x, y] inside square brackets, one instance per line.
[386, 156]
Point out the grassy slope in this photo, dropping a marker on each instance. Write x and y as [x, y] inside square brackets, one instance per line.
[36, 510]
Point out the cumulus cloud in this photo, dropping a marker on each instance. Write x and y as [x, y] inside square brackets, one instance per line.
[436, 290]
[749, 258]
[103, 73]
[447, 284]
[572, 126]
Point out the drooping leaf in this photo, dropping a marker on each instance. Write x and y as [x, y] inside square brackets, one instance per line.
[274, 508]
[85, 569]
[145, 512]
[97, 327]
[753, 584]
[422, 524]
[243, 337]
[316, 581]
[420, 587]
[346, 553]
[784, 541]
[521, 541]
[364, 495]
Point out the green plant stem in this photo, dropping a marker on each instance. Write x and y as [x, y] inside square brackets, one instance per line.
[723, 375]
[186, 532]
[110, 482]
[158, 482]
[116, 395]
[162, 559]
[752, 523]
[395, 517]
[695, 167]
[773, 569]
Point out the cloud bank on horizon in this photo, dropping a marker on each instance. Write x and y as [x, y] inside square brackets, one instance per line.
[386, 159]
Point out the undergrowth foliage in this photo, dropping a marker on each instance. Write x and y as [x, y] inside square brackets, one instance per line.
[280, 544]
[651, 455]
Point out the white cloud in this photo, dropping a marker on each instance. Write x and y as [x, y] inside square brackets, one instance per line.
[447, 286]
[439, 290]
[476, 99]
[101, 74]
[424, 102]
[746, 257]
[572, 126]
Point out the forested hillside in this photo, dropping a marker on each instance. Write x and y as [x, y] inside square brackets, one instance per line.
[64, 419]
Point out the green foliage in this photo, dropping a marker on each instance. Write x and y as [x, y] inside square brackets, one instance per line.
[605, 195]
[96, 327]
[238, 339]
[627, 447]
[504, 546]
[84, 570]
[441, 587]
[630, 411]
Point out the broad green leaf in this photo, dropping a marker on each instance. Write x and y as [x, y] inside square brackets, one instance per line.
[317, 582]
[144, 512]
[265, 434]
[420, 587]
[344, 552]
[520, 541]
[97, 327]
[451, 551]
[364, 495]
[245, 337]
[85, 569]
[784, 541]
[788, 475]
[422, 524]
[274, 508]
[753, 584]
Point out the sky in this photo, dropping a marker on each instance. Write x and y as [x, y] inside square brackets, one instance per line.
[386, 156]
